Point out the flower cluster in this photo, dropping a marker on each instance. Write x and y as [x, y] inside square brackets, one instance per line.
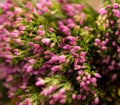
[51, 54]
[108, 40]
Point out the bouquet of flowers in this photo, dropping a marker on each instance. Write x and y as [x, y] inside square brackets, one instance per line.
[59, 52]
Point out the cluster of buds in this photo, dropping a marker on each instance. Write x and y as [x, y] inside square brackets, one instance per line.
[50, 53]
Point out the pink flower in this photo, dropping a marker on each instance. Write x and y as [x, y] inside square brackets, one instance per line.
[79, 7]
[94, 80]
[51, 89]
[96, 101]
[87, 82]
[51, 102]
[102, 11]
[118, 49]
[113, 62]
[114, 43]
[41, 32]
[41, 27]
[97, 75]
[82, 84]
[63, 28]
[80, 72]
[10, 95]
[46, 41]
[115, 5]
[83, 16]
[40, 82]
[53, 59]
[15, 33]
[108, 6]
[29, 68]
[32, 61]
[111, 67]
[69, 9]
[67, 47]
[61, 58]
[82, 53]
[82, 60]
[74, 96]
[39, 5]
[71, 38]
[84, 78]
[18, 41]
[44, 92]
[18, 9]
[56, 96]
[104, 48]
[75, 48]
[79, 97]
[77, 67]
[97, 41]
[21, 28]
[117, 33]
[62, 101]
[55, 68]
[114, 76]
[9, 78]
[62, 1]
[84, 97]
[116, 13]
[70, 21]
[103, 43]
[62, 91]
[36, 46]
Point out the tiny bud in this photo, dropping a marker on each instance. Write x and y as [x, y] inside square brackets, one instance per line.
[79, 97]
[104, 48]
[74, 96]
[40, 82]
[62, 91]
[62, 101]
[96, 100]
[97, 75]
[93, 80]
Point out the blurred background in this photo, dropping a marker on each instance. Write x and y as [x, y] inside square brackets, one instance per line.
[94, 3]
[2, 1]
